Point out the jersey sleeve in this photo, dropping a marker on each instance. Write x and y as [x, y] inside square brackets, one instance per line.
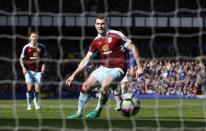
[23, 52]
[125, 39]
[44, 51]
[93, 47]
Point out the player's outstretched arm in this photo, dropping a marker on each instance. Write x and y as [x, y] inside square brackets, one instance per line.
[137, 58]
[81, 66]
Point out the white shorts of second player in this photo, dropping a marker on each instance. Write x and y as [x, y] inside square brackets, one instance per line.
[101, 72]
[32, 77]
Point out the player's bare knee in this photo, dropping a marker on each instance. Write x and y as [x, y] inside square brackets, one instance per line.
[29, 90]
[86, 87]
[105, 85]
[37, 88]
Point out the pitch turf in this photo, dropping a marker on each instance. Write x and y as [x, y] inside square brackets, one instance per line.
[177, 114]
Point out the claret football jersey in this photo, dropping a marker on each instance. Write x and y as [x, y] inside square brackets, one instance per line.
[112, 49]
[31, 56]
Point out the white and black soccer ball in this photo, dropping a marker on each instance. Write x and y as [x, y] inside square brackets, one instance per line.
[130, 105]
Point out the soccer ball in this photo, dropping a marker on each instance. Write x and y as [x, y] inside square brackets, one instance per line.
[130, 105]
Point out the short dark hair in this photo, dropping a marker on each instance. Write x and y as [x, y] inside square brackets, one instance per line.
[32, 32]
[101, 18]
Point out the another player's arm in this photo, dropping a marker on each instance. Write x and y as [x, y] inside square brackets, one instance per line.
[81, 66]
[137, 58]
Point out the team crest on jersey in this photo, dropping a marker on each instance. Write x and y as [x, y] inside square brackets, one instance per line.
[109, 39]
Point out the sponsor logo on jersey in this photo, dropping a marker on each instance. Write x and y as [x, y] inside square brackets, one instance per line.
[35, 54]
[33, 58]
[106, 50]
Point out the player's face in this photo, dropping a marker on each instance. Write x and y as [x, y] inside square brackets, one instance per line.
[100, 26]
[33, 37]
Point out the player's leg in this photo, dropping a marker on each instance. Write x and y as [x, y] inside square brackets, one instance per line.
[36, 97]
[118, 91]
[103, 97]
[110, 75]
[29, 91]
[38, 81]
[29, 96]
[123, 84]
[85, 93]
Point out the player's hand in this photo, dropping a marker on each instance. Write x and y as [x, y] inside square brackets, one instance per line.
[139, 72]
[69, 80]
[24, 70]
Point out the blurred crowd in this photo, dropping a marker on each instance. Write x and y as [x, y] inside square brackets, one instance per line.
[161, 77]
[166, 77]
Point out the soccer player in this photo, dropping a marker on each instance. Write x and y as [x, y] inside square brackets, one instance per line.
[130, 71]
[131, 65]
[33, 69]
[111, 44]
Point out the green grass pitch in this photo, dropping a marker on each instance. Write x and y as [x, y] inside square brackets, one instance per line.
[175, 114]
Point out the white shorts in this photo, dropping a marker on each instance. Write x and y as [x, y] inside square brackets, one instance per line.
[101, 72]
[32, 77]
